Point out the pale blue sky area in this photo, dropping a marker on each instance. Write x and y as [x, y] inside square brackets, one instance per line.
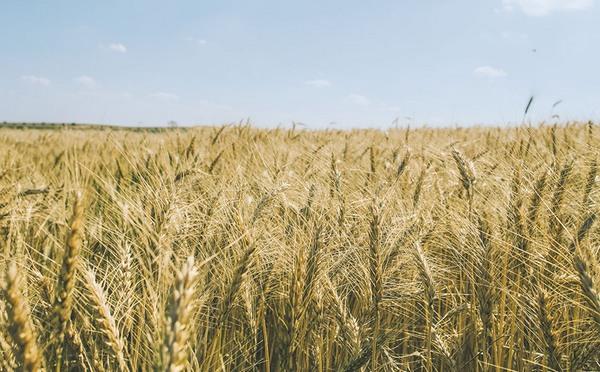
[337, 63]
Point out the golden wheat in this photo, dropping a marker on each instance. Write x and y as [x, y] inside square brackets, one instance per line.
[242, 249]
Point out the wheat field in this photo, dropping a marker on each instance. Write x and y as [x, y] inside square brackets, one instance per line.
[244, 249]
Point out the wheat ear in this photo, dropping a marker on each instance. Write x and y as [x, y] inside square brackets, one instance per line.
[21, 327]
[105, 320]
[63, 302]
[180, 313]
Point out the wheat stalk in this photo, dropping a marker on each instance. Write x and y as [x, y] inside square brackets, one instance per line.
[177, 336]
[21, 327]
[105, 320]
[547, 329]
[63, 302]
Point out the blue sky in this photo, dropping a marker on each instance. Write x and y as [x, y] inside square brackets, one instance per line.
[323, 63]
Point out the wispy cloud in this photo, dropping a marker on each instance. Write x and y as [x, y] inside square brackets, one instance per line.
[318, 83]
[117, 47]
[489, 72]
[359, 100]
[197, 41]
[86, 81]
[538, 8]
[36, 80]
[164, 96]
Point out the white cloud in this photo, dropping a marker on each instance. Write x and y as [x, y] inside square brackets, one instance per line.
[540, 8]
[36, 80]
[489, 72]
[86, 81]
[359, 100]
[164, 96]
[197, 41]
[117, 47]
[318, 83]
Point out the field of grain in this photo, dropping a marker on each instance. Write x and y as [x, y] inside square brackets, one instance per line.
[241, 249]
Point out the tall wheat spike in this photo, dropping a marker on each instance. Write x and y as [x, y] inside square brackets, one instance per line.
[175, 347]
[21, 327]
[548, 332]
[106, 322]
[376, 280]
[63, 302]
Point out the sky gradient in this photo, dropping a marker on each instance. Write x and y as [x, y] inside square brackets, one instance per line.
[334, 63]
